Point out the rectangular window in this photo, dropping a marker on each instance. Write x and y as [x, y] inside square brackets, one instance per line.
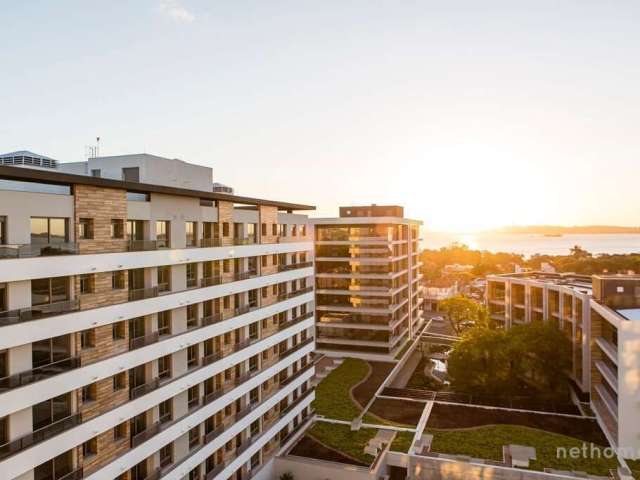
[118, 330]
[165, 411]
[3, 230]
[90, 447]
[166, 455]
[190, 230]
[117, 228]
[162, 233]
[164, 366]
[87, 339]
[131, 174]
[194, 441]
[225, 229]
[85, 228]
[3, 298]
[164, 278]
[117, 280]
[274, 229]
[95, 172]
[86, 283]
[46, 230]
[120, 431]
[192, 356]
[192, 275]
[264, 229]
[135, 230]
[164, 323]
[89, 393]
[119, 381]
[192, 397]
[294, 230]
[192, 316]
[49, 290]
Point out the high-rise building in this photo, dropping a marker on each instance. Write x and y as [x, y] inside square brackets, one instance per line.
[149, 326]
[600, 314]
[368, 291]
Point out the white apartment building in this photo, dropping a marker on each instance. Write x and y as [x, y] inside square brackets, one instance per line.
[600, 314]
[149, 327]
[368, 291]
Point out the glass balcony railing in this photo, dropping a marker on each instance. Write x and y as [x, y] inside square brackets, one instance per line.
[38, 250]
[39, 373]
[40, 311]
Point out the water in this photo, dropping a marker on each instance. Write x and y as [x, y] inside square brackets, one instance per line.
[530, 244]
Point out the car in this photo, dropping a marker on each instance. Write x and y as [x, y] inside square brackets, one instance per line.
[437, 318]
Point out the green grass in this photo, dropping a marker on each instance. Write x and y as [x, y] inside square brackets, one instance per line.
[332, 394]
[486, 442]
[341, 438]
[402, 442]
[634, 466]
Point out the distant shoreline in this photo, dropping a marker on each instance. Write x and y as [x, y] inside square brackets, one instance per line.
[555, 230]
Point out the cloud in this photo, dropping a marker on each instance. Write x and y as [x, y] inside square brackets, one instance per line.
[175, 10]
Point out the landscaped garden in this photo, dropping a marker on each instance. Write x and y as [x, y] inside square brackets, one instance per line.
[365, 391]
[487, 443]
[341, 438]
[402, 442]
[396, 412]
[333, 399]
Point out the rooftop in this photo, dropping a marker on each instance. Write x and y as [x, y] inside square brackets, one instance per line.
[581, 283]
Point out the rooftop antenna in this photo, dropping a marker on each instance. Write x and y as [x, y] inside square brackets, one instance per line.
[97, 146]
[92, 151]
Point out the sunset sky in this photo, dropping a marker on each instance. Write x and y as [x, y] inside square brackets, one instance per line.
[471, 114]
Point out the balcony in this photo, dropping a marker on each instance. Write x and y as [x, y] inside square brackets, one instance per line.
[294, 266]
[210, 242]
[77, 474]
[213, 434]
[146, 434]
[142, 293]
[244, 240]
[39, 435]
[211, 474]
[39, 373]
[142, 245]
[293, 321]
[143, 389]
[301, 291]
[34, 250]
[139, 342]
[37, 312]
[295, 375]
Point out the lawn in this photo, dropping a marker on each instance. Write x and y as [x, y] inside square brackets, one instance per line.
[402, 442]
[486, 442]
[332, 394]
[634, 466]
[340, 437]
[420, 381]
[404, 349]
[397, 412]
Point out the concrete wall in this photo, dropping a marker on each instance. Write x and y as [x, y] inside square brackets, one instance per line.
[629, 385]
[311, 469]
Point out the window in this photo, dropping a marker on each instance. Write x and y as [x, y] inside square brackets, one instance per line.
[4, 430]
[192, 275]
[225, 229]
[162, 233]
[164, 323]
[192, 356]
[4, 366]
[49, 290]
[303, 230]
[89, 393]
[255, 427]
[118, 330]
[3, 298]
[90, 447]
[131, 174]
[117, 280]
[166, 455]
[3, 230]
[192, 316]
[253, 331]
[264, 229]
[87, 339]
[95, 172]
[50, 350]
[253, 363]
[135, 230]
[164, 366]
[255, 461]
[274, 229]
[86, 283]
[226, 302]
[164, 278]
[263, 260]
[85, 228]
[119, 381]
[194, 441]
[117, 228]
[165, 411]
[192, 397]
[191, 228]
[265, 292]
[120, 431]
[48, 230]
[294, 230]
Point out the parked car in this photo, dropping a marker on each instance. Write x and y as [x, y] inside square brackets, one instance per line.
[437, 318]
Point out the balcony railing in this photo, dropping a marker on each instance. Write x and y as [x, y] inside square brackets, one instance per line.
[39, 435]
[295, 375]
[293, 321]
[301, 291]
[294, 266]
[37, 312]
[39, 373]
[143, 389]
[142, 293]
[77, 474]
[142, 245]
[143, 436]
[244, 240]
[35, 250]
[210, 242]
[213, 434]
[139, 342]
[211, 474]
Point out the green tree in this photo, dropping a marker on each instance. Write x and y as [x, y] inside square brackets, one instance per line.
[460, 310]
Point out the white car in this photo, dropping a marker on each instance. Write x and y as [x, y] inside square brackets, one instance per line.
[438, 319]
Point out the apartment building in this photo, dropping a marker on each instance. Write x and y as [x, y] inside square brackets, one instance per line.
[600, 314]
[368, 292]
[149, 326]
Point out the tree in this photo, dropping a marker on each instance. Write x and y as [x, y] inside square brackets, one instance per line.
[463, 312]
[526, 359]
[578, 252]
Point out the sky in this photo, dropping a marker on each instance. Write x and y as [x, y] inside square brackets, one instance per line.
[471, 114]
